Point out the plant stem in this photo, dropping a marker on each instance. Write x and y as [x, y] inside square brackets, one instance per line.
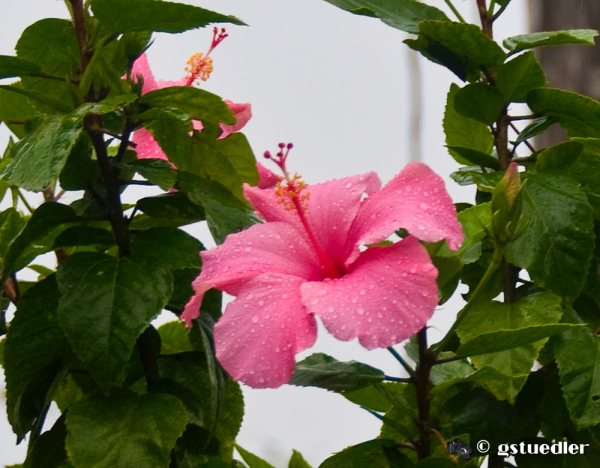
[402, 361]
[487, 21]
[80, 32]
[25, 202]
[421, 380]
[455, 11]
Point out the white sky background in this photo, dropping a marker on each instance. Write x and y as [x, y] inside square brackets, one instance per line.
[336, 85]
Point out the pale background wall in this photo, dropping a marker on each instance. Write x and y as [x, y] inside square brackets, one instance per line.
[336, 85]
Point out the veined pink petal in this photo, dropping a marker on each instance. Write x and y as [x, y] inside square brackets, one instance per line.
[263, 248]
[142, 67]
[332, 207]
[387, 297]
[147, 147]
[266, 204]
[262, 330]
[416, 199]
[167, 84]
[266, 178]
[242, 112]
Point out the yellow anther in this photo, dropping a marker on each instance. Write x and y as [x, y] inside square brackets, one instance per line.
[199, 68]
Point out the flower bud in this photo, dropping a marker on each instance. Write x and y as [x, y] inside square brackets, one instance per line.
[507, 206]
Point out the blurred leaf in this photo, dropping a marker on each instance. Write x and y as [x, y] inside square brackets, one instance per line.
[380, 453]
[577, 354]
[578, 115]
[298, 461]
[252, 460]
[108, 302]
[558, 157]
[404, 15]
[11, 225]
[536, 127]
[174, 338]
[371, 398]
[11, 67]
[519, 76]
[550, 38]
[182, 288]
[480, 102]
[149, 15]
[80, 171]
[557, 244]
[15, 107]
[475, 157]
[127, 430]
[33, 352]
[49, 450]
[464, 132]
[320, 370]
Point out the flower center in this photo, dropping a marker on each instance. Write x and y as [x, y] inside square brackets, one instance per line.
[200, 66]
[292, 194]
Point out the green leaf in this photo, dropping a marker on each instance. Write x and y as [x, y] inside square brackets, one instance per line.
[229, 161]
[464, 132]
[474, 157]
[38, 158]
[175, 206]
[585, 171]
[480, 102]
[33, 353]
[252, 460]
[550, 38]
[174, 338]
[11, 67]
[536, 127]
[502, 340]
[559, 157]
[157, 171]
[11, 225]
[197, 103]
[404, 15]
[127, 430]
[15, 107]
[83, 235]
[513, 334]
[52, 44]
[519, 76]
[50, 103]
[320, 370]
[49, 450]
[465, 40]
[225, 213]
[557, 244]
[108, 302]
[577, 354]
[298, 461]
[171, 130]
[46, 218]
[168, 247]
[371, 398]
[151, 15]
[380, 453]
[578, 115]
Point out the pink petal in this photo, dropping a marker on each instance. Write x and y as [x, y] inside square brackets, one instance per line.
[416, 199]
[263, 248]
[242, 112]
[262, 330]
[332, 207]
[266, 203]
[389, 295]
[142, 67]
[167, 84]
[197, 125]
[147, 147]
[266, 178]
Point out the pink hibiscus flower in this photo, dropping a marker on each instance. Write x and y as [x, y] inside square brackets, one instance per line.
[199, 69]
[307, 261]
